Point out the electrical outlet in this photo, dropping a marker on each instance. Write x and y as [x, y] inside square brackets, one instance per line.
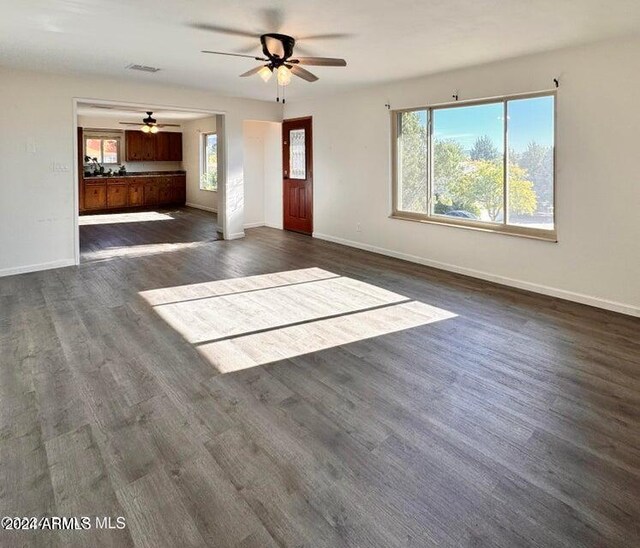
[358, 227]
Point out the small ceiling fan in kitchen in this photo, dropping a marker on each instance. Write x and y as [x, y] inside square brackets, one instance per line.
[149, 124]
[277, 55]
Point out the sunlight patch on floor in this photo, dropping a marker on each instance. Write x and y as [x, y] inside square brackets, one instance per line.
[116, 218]
[287, 342]
[143, 250]
[243, 322]
[229, 286]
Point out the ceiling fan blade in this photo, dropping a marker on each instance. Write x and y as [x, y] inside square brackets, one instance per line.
[251, 72]
[224, 30]
[247, 49]
[142, 124]
[235, 55]
[303, 73]
[319, 61]
[328, 36]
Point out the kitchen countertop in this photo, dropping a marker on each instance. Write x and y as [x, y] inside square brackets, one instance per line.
[134, 174]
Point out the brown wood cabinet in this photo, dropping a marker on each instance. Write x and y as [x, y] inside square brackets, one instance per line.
[116, 194]
[164, 191]
[95, 196]
[175, 146]
[180, 189]
[136, 194]
[150, 192]
[148, 147]
[133, 145]
[133, 191]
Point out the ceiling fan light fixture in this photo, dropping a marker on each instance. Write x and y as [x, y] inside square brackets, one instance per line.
[265, 73]
[153, 129]
[284, 75]
[145, 129]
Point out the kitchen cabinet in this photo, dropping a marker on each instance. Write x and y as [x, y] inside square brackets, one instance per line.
[133, 145]
[151, 192]
[95, 196]
[116, 194]
[101, 193]
[175, 146]
[136, 194]
[165, 190]
[148, 147]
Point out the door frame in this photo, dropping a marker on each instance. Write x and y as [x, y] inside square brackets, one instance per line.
[311, 168]
[222, 159]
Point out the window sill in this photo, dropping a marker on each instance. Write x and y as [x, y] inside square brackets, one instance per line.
[208, 190]
[522, 232]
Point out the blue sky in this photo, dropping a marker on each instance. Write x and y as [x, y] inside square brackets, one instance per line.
[529, 120]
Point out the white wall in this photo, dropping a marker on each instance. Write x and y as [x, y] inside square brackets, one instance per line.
[37, 208]
[273, 174]
[253, 174]
[262, 174]
[597, 257]
[191, 135]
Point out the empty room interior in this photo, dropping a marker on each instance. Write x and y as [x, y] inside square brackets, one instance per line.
[284, 274]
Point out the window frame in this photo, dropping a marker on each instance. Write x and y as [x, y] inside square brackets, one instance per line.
[102, 135]
[203, 159]
[550, 235]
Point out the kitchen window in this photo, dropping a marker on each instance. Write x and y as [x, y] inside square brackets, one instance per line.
[105, 147]
[486, 165]
[209, 162]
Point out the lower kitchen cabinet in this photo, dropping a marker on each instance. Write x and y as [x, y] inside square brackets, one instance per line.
[136, 194]
[165, 196]
[116, 195]
[133, 191]
[95, 196]
[150, 193]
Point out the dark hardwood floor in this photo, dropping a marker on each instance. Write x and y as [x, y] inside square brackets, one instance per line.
[414, 407]
[134, 233]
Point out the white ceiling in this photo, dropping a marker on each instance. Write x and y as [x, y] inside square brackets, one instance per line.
[131, 114]
[381, 40]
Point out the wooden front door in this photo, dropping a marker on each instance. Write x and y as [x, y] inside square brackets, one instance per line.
[297, 173]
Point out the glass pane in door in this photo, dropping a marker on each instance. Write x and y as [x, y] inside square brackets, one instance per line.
[297, 154]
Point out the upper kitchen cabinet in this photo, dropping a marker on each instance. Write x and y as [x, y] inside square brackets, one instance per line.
[175, 146]
[139, 147]
[149, 147]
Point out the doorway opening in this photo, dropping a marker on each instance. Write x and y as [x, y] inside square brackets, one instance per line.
[150, 179]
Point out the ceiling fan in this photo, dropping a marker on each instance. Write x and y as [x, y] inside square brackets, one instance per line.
[149, 124]
[278, 57]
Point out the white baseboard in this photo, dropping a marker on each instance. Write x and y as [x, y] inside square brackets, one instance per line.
[256, 225]
[36, 267]
[204, 208]
[520, 284]
[235, 236]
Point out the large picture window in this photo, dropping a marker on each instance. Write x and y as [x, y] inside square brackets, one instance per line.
[485, 165]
